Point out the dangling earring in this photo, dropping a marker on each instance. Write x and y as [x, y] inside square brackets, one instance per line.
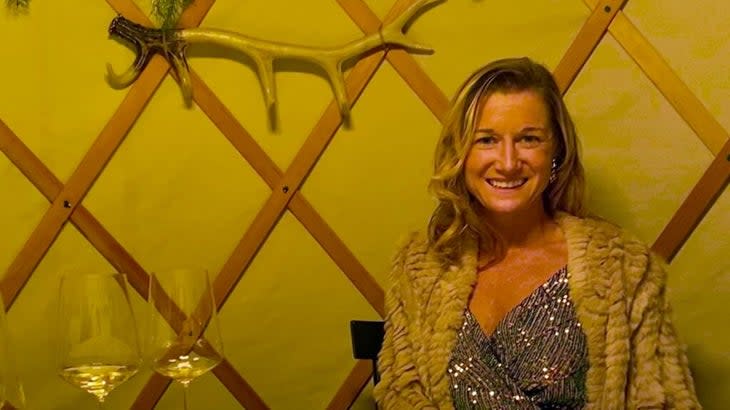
[553, 171]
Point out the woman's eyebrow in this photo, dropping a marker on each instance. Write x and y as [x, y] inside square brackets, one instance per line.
[531, 129]
[485, 131]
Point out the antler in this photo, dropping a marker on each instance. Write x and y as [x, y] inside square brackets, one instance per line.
[172, 44]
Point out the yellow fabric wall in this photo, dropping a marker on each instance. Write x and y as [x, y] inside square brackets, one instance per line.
[177, 193]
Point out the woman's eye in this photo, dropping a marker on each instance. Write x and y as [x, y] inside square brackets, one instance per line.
[530, 140]
[486, 140]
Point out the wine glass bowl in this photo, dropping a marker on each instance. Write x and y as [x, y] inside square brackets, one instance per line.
[98, 347]
[183, 336]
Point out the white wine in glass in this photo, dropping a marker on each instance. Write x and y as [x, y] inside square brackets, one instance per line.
[98, 346]
[184, 339]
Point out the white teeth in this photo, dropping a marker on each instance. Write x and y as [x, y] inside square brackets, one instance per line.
[506, 184]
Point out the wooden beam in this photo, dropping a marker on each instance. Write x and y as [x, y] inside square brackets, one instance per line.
[403, 63]
[585, 42]
[81, 180]
[695, 206]
[354, 384]
[687, 105]
[50, 186]
[156, 385]
[299, 206]
[338, 251]
[288, 185]
[430, 94]
[239, 387]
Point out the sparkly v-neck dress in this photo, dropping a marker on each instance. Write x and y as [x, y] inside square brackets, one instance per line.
[536, 358]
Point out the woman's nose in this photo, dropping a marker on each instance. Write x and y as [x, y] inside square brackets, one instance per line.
[508, 160]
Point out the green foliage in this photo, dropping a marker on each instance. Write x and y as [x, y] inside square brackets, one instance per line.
[167, 12]
[17, 5]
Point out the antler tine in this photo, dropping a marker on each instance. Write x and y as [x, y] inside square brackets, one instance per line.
[265, 67]
[124, 29]
[337, 80]
[123, 80]
[180, 66]
[392, 33]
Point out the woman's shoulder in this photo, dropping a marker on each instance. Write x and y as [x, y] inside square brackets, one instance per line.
[412, 250]
[605, 249]
[598, 230]
[415, 260]
[413, 241]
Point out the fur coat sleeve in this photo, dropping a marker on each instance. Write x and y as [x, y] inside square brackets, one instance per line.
[618, 287]
[401, 386]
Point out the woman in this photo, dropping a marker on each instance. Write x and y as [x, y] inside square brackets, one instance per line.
[514, 299]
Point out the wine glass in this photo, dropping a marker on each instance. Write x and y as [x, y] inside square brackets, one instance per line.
[98, 346]
[11, 390]
[184, 338]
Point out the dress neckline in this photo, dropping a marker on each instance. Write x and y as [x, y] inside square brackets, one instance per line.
[516, 309]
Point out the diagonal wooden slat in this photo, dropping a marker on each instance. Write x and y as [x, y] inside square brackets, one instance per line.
[585, 42]
[704, 194]
[156, 385]
[273, 209]
[353, 385]
[81, 180]
[338, 242]
[435, 100]
[404, 64]
[299, 206]
[238, 386]
[28, 164]
[151, 392]
[47, 183]
[338, 251]
[290, 181]
[687, 105]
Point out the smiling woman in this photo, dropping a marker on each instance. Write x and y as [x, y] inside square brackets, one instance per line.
[513, 298]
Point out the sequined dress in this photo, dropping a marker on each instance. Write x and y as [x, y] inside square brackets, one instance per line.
[536, 357]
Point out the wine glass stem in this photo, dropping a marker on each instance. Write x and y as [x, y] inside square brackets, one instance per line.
[185, 396]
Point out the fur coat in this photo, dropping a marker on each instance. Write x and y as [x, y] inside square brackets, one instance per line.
[617, 287]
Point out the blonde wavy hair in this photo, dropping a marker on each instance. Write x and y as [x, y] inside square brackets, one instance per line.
[457, 211]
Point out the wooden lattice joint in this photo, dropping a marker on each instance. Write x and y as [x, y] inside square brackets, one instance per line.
[677, 93]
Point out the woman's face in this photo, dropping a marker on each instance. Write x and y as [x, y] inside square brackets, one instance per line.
[508, 166]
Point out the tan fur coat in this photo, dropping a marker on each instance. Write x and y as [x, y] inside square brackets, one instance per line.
[617, 286]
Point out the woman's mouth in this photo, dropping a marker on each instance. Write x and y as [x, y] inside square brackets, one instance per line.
[507, 184]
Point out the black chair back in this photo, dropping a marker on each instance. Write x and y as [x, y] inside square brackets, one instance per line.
[367, 340]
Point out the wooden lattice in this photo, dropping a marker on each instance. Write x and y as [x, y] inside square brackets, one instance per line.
[66, 198]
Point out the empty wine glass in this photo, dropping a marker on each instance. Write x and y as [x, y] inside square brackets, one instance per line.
[98, 346]
[184, 338]
[11, 390]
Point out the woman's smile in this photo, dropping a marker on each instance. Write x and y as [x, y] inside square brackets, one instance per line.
[506, 184]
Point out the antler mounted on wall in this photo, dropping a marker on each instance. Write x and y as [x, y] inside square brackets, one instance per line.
[172, 44]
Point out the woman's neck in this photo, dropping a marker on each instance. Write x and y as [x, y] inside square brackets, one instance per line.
[524, 229]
